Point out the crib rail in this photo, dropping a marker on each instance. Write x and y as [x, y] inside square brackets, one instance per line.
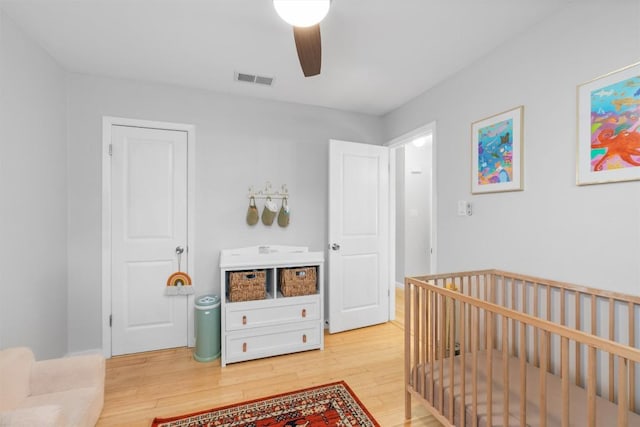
[585, 336]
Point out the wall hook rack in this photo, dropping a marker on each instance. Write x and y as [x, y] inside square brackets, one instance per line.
[268, 191]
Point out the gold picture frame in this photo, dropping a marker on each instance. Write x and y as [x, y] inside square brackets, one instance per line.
[608, 124]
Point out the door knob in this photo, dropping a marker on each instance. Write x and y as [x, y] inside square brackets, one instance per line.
[335, 247]
[179, 250]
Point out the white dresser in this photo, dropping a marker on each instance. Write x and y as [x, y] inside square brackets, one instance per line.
[277, 324]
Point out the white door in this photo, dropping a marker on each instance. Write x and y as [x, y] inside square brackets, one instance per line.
[358, 235]
[149, 221]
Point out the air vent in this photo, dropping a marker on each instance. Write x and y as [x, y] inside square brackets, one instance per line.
[251, 78]
[264, 80]
[246, 78]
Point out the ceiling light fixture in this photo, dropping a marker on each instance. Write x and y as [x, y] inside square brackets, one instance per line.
[302, 13]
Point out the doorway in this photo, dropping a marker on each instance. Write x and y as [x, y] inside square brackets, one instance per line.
[148, 230]
[413, 210]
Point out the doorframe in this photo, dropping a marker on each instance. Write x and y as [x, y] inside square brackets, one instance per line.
[393, 145]
[107, 123]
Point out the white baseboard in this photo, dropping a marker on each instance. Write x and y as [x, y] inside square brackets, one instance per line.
[399, 285]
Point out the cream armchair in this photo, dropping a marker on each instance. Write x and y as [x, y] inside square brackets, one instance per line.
[57, 392]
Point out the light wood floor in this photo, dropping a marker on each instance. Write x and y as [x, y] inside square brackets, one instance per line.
[170, 382]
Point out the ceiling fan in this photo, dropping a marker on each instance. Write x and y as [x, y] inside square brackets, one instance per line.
[305, 17]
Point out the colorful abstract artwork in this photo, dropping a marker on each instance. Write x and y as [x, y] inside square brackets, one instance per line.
[608, 122]
[497, 153]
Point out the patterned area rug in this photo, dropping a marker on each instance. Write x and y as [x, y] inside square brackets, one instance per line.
[327, 405]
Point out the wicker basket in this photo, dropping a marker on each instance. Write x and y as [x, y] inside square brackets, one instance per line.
[247, 285]
[296, 282]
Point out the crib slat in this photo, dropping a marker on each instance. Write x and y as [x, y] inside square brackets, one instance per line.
[474, 364]
[514, 287]
[489, 369]
[416, 337]
[493, 295]
[578, 346]
[468, 292]
[432, 347]
[436, 323]
[632, 365]
[408, 289]
[543, 378]
[564, 372]
[523, 375]
[563, 311]
[563, 306]
[463, 364]
[486, 298]
[591, 386]
[441, 353]
[452, 353]
[594, 328]
[503, 299]
[536, 350]
[424, 303]
[524, 309]
[594, 312]
[623, 409]
[612, 335]
[548, 347]
[505, 369]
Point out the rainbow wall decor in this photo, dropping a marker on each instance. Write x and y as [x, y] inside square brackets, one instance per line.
[179, 283]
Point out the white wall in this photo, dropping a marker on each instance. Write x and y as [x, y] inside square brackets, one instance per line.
[417, 209]
[33, 212]
[586, 235]
[239, 142]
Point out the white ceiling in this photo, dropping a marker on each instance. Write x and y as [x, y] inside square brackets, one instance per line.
[377, 54]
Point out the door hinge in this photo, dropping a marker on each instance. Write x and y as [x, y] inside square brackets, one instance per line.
[110, 149]
[110, 320]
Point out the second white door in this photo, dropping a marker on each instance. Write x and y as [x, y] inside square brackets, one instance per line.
[149, 221]
[358, 235]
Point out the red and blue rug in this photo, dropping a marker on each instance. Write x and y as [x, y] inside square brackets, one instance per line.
[326, 405]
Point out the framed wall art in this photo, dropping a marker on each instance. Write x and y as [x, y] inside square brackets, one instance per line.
[608, 134]
[496, 152]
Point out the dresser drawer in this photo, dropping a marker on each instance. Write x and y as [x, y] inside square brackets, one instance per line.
[260, 315]
[252, 344]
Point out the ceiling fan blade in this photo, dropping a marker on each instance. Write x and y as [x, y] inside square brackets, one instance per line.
[309, 49]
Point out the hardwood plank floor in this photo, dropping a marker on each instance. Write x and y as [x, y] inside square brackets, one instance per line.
[166, 383]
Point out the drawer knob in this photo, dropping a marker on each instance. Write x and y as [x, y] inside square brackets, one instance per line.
[304, 312]
[244, 320]
[304, 338]
[244, 347]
